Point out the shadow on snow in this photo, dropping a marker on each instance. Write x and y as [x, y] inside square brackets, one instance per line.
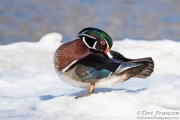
[97, 90]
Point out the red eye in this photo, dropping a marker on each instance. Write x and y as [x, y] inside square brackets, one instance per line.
[103, 42]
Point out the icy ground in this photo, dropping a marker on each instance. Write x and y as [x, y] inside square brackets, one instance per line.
[31, 90]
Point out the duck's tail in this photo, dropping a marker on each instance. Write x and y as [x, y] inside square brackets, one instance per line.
[140, 68]
[148, 70]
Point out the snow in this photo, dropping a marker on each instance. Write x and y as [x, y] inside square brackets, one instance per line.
[30, 89]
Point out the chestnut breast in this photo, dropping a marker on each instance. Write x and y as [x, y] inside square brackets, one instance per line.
[69, 52]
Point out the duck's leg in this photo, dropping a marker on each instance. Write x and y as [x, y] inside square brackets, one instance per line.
[91, 91]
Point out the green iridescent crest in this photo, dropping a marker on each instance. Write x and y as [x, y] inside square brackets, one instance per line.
[97, 34]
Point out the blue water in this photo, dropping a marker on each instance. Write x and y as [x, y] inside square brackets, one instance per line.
[22, 20]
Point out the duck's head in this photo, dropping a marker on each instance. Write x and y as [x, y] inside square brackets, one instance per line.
[96, 39]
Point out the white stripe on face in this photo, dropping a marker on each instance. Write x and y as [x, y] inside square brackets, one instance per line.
[94, 46]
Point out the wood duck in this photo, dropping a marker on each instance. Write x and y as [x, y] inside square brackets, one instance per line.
[89, 62]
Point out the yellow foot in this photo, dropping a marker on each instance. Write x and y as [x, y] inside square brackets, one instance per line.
[83, 95]
[91, 91]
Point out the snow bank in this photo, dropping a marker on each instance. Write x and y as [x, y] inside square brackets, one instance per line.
[30, 88]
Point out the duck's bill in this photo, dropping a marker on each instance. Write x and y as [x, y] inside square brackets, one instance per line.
[107, 52]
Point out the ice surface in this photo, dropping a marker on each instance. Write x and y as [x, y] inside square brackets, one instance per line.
[31, 90]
